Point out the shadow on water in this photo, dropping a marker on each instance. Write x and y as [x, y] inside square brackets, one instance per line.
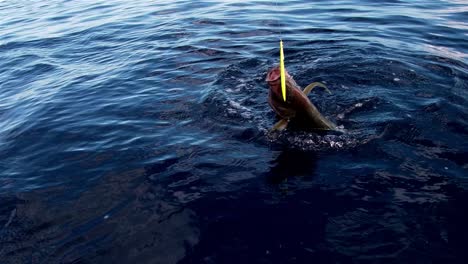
[291, 163]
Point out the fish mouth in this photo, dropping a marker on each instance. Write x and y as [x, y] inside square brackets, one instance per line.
[274, 74]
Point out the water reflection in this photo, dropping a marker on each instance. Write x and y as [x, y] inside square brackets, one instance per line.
[445, 52]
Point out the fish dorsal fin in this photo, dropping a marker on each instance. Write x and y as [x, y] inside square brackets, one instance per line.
[311, 86]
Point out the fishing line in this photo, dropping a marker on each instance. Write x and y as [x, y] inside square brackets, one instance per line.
[282, 68]
[278, 20]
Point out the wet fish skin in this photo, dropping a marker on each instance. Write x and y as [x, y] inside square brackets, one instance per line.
[297, 107]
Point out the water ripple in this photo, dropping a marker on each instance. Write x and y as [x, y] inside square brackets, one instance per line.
[151, 120]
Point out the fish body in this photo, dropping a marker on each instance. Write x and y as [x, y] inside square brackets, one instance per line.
[297, 107]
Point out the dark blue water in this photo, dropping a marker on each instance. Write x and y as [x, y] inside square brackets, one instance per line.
[136, 132]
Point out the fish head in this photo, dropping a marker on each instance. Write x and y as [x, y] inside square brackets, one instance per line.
[274, 74]
[273, 79]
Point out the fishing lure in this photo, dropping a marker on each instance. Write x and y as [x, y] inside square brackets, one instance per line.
[282, 72]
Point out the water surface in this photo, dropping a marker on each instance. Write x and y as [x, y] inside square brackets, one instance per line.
[136, 132]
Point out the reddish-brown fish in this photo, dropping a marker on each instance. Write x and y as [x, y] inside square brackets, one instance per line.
[297, 107]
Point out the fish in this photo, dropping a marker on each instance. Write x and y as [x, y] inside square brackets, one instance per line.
[297, 108]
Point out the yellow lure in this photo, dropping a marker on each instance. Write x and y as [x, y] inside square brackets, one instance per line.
[282, 71]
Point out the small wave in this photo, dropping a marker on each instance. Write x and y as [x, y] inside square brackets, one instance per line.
[308, 141]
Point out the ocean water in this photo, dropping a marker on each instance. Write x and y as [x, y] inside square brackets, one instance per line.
[136, 132]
